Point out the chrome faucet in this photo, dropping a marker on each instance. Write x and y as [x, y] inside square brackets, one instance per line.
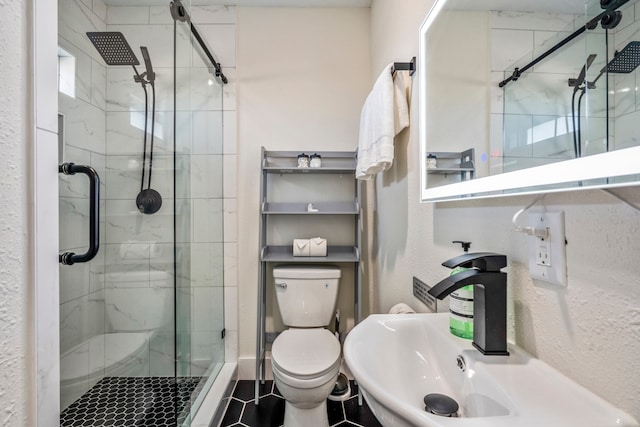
[490, 297]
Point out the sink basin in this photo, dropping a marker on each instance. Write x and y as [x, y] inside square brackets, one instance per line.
[397, 359]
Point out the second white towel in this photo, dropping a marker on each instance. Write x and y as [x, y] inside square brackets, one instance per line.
[384, 114]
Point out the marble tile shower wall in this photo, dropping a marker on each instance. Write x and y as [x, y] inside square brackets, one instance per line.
[207, 195]
[104, 128]
[626, 98]
[515, 39]
[542, 95]
[81, 286]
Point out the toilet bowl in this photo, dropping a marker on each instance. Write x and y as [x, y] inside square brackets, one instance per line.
[305, 358]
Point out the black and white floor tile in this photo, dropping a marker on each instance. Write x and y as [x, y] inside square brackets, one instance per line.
[242, 412]
[133, 401]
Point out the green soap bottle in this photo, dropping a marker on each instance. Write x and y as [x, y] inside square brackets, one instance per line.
[461, 310]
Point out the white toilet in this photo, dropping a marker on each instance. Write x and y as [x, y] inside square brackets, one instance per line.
[306, 357]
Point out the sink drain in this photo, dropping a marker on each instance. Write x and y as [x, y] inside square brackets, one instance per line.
[440, 404]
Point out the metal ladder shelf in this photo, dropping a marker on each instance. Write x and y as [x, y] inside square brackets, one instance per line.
[277, 164]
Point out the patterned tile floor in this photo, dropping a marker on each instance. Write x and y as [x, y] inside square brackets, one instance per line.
[132, 401]
[270, 413]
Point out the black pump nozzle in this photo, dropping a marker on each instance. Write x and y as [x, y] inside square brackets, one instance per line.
[465, 245]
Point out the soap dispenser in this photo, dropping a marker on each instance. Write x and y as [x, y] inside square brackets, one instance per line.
[461, 304]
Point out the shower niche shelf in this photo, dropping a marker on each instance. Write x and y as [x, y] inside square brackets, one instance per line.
[286, 191]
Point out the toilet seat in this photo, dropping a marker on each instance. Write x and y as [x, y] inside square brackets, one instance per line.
[305, 354]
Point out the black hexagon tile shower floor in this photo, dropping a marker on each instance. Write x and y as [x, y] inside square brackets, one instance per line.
[242, 411]
[133, 401]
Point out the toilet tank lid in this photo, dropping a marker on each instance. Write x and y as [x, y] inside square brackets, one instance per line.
[307, 272]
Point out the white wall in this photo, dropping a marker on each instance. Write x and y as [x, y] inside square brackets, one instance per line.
[14, 190]
[28, 263]
[301, 84]
[590, 330]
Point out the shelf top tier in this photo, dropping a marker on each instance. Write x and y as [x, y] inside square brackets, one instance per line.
[287, 162]
[322, 208]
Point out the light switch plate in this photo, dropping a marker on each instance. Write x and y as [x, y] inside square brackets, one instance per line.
[548, 257]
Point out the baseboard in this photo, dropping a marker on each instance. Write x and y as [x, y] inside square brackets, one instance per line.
[247, 368]
[215, 402]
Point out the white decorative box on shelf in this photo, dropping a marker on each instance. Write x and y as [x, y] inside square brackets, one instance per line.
[310, 247]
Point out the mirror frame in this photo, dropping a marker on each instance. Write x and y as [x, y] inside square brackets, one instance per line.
[540, 179]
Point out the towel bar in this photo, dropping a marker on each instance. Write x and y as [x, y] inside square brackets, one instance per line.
[399, 66]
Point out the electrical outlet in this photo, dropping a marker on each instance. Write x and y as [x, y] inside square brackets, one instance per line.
[543, 252]
[547, 256]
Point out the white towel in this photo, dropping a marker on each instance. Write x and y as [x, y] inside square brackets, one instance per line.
[384, 114]
[317, 246]
[401, 308]
[300, 247]
[401, 96]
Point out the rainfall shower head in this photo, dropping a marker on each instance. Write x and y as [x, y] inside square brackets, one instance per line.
[626, 60]
[623, 62]
[113, 48]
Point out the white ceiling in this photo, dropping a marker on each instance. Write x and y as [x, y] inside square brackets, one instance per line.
[250, 3]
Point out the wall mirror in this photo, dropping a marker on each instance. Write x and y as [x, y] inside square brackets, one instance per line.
[523, 96]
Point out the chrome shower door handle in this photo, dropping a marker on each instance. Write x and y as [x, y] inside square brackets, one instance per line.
[70, 258]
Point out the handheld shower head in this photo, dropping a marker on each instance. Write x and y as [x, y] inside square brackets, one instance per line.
[150, 75]
[113, 48]
[576, 83]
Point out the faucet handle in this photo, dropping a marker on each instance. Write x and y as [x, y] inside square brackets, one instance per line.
[483, 261]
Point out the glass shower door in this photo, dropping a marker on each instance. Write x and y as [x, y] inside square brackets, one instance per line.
[142, 323]
[199, 215]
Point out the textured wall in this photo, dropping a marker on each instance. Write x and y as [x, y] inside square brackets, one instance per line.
[13, 215]
[590, 331]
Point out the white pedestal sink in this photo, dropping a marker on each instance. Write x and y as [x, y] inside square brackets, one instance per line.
[397, 359]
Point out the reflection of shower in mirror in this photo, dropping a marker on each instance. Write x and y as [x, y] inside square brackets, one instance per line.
[508, 84]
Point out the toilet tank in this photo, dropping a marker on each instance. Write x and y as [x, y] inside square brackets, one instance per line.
[306, 295]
